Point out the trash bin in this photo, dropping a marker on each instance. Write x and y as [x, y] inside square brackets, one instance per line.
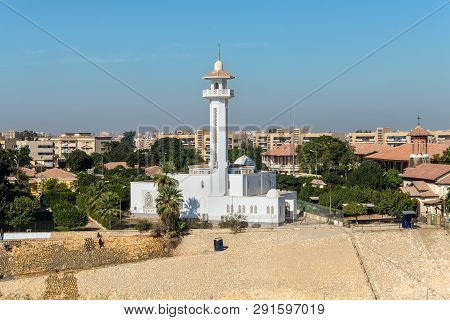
[218, 244]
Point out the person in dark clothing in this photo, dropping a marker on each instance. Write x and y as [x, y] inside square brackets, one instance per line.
[2, 234]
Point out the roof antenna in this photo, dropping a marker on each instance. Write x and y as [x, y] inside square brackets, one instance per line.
[218, 44]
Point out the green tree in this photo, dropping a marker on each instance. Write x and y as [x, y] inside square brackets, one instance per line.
[55, 191]
[168, 167]
[367, 175]
[393, 179]
[393, 203]
[331, 154]
[26, 135]
[97, 159]
[21, 211]
[117, 151]
[23, 157]
[355, 209]
[107, 206]
[128, 138]
[168, 207]
[67, 215]
[78, 161]
[442, 159]
[172, 149]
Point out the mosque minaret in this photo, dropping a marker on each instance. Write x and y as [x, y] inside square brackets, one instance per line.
[219, 188]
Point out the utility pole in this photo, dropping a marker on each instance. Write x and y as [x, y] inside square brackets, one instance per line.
[315, 152]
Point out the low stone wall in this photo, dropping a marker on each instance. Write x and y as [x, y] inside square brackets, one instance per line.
[20, 257]
[322, 219]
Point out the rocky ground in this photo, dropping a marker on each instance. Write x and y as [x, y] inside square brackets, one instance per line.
[286, 263]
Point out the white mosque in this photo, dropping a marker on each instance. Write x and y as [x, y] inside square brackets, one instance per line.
[218, 189]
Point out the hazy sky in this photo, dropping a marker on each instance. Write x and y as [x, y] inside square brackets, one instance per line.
[279, 51]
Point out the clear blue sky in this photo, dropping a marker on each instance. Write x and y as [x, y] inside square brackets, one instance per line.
[278, 51]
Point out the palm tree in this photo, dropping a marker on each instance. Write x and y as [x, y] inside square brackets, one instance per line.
[107, 206]
[168, 206]
[163, 180]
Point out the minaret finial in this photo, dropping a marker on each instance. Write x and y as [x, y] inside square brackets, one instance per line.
[218, 44]
[418, 120]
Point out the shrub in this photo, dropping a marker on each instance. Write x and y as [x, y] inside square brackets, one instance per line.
[198, 224]
[67, 215]
[355, 209]
[143, 225]
[21, 211]
[54, 196]
[236, 222]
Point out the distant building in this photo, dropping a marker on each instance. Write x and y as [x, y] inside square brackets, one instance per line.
[281, 159]
[66, 177]
[66, 143]
[42, 153]
[428, 184]
[418, 151]
[362, 150]
[311, 136]
[113, 165]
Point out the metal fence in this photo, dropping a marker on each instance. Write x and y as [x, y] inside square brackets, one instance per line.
[42, 226]
[322, 211]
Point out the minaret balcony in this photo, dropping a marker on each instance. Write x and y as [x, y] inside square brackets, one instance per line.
[218, 93]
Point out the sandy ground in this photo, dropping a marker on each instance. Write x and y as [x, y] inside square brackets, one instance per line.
[286, 263]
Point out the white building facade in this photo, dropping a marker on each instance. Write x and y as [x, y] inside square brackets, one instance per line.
[219, 189]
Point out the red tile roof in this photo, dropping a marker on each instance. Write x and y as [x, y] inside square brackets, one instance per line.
[56, 173]
[444, 180]
[419, 132]
[219, 74]
[427, 171]
[364, 149]
[27, 171]
[284, 150]
[414, 192]
[150, 171]
[318, 182]
[402, 153]
[113, 165]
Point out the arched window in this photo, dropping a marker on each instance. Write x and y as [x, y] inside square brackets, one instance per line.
[256, 209]
[268, 209]
[232, 209]
[243, 208]
[251, 209]
[271, 210]
[216, 85]
[203, 184]
[148, 201]
[239, 209]
[228, 208]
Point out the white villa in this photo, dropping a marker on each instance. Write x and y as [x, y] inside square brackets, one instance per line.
[218, 189]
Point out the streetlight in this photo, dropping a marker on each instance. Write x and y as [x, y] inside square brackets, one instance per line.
[315, 152]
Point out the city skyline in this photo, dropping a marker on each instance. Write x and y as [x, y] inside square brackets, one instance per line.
[46, 87]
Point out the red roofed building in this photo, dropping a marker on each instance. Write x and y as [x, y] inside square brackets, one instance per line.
[113, 165]
[410, 155]
[429, 184]
[362, 150]
[281, 159]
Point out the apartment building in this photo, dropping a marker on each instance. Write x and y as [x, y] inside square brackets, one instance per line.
[66, 143]
[387, 136]
[310, 136]
[440, 136]
[42, 153]
[200, 140]
[270, 140]
[379, 136]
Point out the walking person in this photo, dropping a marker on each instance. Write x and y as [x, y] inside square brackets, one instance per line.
[2, 234]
